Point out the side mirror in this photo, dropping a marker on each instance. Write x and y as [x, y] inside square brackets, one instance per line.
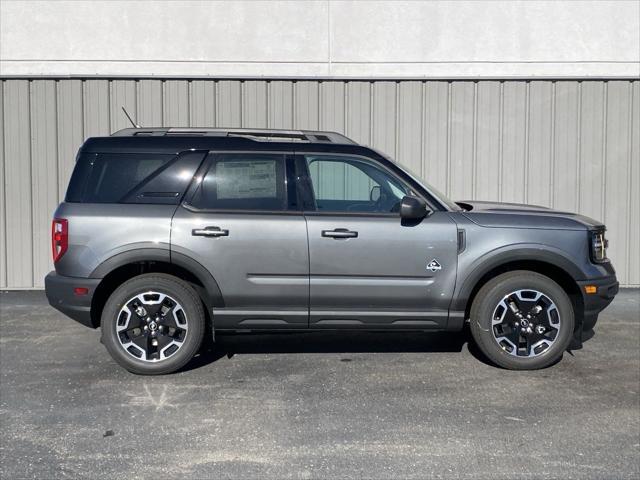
[413, 208]
[374, 194]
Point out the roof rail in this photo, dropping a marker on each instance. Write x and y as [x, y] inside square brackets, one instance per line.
[262, 135]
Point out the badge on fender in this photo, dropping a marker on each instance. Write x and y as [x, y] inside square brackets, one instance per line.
[434, 266]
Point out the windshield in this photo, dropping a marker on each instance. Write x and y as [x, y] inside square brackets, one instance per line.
[430, 188]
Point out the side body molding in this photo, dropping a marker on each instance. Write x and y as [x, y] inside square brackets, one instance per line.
[211, 293]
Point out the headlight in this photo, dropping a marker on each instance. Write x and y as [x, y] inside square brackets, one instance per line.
[599, 246]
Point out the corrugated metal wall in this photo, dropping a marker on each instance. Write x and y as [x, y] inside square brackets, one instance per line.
[567, 144]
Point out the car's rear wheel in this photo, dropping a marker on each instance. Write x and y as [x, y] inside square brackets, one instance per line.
[153, 324]
[522, 320]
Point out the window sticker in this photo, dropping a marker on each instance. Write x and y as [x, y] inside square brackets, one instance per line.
[246, 179]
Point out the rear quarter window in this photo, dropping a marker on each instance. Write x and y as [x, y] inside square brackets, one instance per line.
[132, 178]
[114, 176]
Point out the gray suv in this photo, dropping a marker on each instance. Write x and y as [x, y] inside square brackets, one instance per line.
[167, 235]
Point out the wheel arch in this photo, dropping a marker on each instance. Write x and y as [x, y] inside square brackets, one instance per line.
[551, 264]
[126, 265]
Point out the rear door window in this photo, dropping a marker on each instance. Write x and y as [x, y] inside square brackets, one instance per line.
[243, 181]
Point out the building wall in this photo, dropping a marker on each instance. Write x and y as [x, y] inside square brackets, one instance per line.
[572, 145]
[374, 39]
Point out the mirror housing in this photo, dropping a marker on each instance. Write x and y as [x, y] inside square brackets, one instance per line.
[413, 208]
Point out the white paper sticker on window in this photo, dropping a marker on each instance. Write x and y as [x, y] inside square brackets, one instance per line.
[246, 179]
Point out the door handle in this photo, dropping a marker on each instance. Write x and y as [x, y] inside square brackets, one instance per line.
[339, 233]
[209, 232]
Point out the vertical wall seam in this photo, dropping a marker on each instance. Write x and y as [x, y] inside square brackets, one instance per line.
[109, 119]
[449, 128]
[5, 274]
[527, 124]
[500, 141]
[320, 100]
[83, 93]
[396, 119]
[629, 183]
[137, 101]
[214, 100]
[579, 148]
[136, 93]
[371, 116]
[605, 139]
[241, 103]
[345, 93]
[189, 109]
[423, 166]
[56, 137]
[294, 105]
[163, 106]
[552, 167]
[265, 87]
[474, 152]
[30, 163]
[216, 94]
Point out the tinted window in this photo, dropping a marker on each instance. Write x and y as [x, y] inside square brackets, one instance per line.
[75, 190]
[243, 181]
[168, 183]
[114, 176]
[350, 184]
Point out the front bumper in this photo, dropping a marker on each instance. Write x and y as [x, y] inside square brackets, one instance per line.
[61, 296]
[606, 290]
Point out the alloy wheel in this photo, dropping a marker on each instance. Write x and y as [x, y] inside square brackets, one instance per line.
[151, 326]
[525, 323]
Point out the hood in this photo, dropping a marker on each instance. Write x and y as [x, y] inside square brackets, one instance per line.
[517, 215]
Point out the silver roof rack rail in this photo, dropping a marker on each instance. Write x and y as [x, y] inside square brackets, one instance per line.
[262, 135]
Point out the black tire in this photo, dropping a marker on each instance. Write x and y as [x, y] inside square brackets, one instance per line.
[487, 301]
[194, 321]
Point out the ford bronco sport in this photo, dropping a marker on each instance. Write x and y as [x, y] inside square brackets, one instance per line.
[167, 235]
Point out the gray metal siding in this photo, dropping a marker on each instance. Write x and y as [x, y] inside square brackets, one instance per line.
[567, 144]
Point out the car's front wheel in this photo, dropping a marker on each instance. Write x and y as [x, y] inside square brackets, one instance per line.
[153, 324]
[522, 320]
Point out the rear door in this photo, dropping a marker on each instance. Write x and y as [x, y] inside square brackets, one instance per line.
[243, 223]
[369, 268]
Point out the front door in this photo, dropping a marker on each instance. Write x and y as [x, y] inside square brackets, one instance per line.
[243, 224]
[367, 267]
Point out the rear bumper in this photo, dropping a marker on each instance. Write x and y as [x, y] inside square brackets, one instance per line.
[607, 288]
[61, 296]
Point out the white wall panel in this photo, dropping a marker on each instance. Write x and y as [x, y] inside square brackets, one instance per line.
[3, 214]
[17, 185]
[355, 39]
[617, 173]
[488, 133]
[567, 144]
[44, 170]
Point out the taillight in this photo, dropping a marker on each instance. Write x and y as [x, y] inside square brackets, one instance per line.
[59, 237]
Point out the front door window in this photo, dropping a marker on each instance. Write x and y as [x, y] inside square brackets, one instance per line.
[344, 184]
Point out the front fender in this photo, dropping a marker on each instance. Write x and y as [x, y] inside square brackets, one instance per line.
[473, 273]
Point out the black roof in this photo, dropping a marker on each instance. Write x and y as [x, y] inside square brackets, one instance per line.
[158, 140]
[263, 135]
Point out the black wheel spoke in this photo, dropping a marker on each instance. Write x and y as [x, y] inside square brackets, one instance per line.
[164, 341]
